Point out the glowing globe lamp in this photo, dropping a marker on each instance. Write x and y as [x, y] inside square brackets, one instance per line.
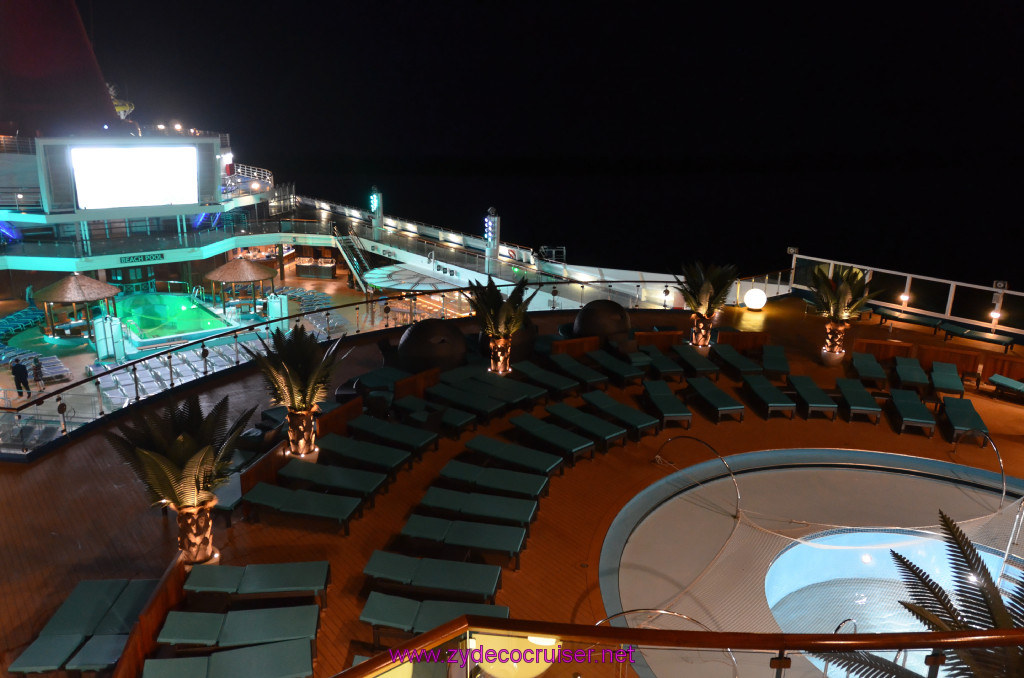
[755, 299]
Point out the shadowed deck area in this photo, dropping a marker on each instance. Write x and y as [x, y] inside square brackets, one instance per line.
[79, 513]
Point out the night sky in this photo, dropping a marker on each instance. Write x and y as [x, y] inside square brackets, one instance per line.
[639, 135]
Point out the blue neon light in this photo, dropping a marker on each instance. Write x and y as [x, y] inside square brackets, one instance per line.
[8, 229]
[199, 219]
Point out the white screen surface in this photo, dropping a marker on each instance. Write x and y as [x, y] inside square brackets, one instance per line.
[138, 176]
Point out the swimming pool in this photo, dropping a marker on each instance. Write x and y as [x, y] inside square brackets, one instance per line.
[797, 542]
[154, 317]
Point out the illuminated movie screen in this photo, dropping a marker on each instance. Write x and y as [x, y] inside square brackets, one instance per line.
[136, 176]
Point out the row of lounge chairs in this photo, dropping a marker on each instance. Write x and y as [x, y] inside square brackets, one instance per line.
[949, 329]
[277, 641]
[89, 630]
[20, 320]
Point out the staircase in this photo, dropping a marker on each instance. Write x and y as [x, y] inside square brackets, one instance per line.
[353, 255]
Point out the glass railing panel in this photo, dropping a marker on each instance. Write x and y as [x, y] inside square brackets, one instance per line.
[1012, 312]
[887, 662]
[974, 304]
[889, 287]
[928, 295]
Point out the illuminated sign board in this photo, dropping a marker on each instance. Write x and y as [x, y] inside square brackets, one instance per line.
[142, 258]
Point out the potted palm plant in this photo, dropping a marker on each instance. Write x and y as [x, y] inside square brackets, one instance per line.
[837, 298]
[499, 317]
[181, 455]
[705, 291]
[297, 371]
[976, 602]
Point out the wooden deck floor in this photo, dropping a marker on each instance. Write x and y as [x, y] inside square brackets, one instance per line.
[78, 513]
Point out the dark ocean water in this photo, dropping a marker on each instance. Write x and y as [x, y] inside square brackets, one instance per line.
[957, 224]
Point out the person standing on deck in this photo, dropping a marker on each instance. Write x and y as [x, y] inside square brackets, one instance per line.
[20, 373]
[37, 375]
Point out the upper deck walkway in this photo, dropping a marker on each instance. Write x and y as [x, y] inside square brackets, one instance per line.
[79, 513]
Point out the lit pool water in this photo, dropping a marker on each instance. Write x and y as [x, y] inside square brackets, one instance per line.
[819, 582]
[154, 316]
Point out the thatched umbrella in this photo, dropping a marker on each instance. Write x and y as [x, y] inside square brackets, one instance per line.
[76, 289]
[241, 271]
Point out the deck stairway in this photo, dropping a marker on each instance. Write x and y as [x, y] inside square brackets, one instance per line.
[353, 255]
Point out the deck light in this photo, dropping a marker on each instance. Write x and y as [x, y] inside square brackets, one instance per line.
[904, 298]
[255, 185]
[995, 315]
[177, 126]
[755, 299]
[161, 126]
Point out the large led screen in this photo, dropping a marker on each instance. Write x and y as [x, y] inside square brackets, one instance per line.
[135, 176]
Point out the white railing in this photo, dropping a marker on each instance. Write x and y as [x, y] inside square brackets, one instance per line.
[989, 307]
[257, 173]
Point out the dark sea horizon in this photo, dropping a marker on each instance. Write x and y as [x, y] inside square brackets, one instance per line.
[959, 224]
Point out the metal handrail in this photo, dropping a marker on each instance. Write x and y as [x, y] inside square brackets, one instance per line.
[838, 629]
[695, 640]
[999, 457]
[728, 468]
[732, 657]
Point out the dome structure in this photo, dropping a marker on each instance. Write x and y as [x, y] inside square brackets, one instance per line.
[431, 343]
[602, 318]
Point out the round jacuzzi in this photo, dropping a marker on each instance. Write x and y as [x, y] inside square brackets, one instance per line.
[793, 541]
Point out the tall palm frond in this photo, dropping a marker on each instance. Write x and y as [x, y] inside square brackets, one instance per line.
[499, 317]
[296, 367]
[705, 289]
[179, 453]
[975, 603]
[840, 296]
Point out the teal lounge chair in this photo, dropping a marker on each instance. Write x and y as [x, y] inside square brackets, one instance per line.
[419, 411]
[910, 411]
[696, 365]
[812, 397]
[525, 458]
[586, 376]
[738, 363]
[483, 406]
[946, 379]
[363, 484]
[285, 659]
[47, 653]
[669, 407]
[602, 432]
[715, 398]
[910, 374]
[868, 369]
[431, 576]
[305, 502]
[123, 614]
[556, 384]
[620, 370]
[496, 479]
[335, 449]
[954, 330]
[240, 627]
[84, 608]
[634, 420]
[407, 437]
[477, 506]
[1006, 385]
[858, 400]
[568, 444]
[964, 420]
[393, 612]
[484, 537]
[262, 580]
[99, 653]
[770, 397]
[773, 358]
[664, 366]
